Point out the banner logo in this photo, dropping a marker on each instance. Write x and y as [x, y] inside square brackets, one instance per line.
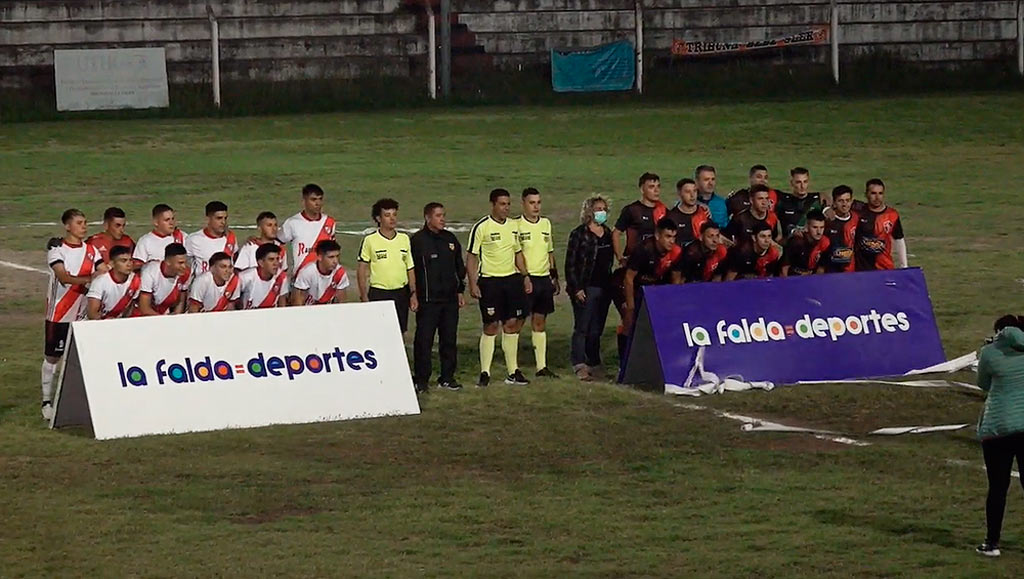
[805, 328]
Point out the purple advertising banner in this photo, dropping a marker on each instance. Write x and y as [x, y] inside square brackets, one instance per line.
[784, 330]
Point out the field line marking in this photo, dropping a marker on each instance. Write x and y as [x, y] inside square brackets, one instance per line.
[23, 267]
[750, 421]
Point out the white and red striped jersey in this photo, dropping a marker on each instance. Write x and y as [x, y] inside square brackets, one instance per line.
[66, 303]
[246, 258]
[320, 288]
[213, 297]
[116, 299]
[165, 290]
[201, 246]
[259, 293]
[302, 234]
[151, 246]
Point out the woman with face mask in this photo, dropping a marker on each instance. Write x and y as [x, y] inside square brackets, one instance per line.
[588, 272]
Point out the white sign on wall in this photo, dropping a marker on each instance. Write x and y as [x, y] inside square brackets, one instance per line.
[110, 78]
[238, 369]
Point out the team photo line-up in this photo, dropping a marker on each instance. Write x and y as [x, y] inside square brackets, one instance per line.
[509, 266]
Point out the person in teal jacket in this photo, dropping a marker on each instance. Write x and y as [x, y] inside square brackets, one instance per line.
[1001, 428]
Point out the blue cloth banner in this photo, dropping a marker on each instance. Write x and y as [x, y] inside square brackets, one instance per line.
[602, 68]
[784, 330]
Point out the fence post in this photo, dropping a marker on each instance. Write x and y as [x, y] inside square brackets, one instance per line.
[431, 51]
[1020, 37]
[446, 48]
[639, 17]
[215, 50]
[834, 37]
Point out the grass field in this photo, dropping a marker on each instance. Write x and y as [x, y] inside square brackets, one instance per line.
[559, 478]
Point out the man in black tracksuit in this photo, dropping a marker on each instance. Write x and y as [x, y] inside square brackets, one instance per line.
[440, 283]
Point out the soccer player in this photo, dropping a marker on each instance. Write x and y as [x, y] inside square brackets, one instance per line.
[266, 222]
[218, 289]
[323, 283]
[637, 220]
[266, 285]
[707, 178]
[704, 261]
[539, 254]
[499, 280]
[741, 226]
[655, 262]
[213, 239]
[165, 231]
[806, 254]
[792, 207]
[841, 232]
[165, 283]
[879, 243]
[440, 284]
[385, 270]
[687, 214]
[73, 264]
[740, 200]
[306, 229]
[113, 234]
[113, 294]
[754, 259]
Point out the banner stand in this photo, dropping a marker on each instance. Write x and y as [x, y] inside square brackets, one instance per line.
[643, 364]
[71, 405]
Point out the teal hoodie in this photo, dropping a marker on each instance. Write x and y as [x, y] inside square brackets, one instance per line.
[1001, 374]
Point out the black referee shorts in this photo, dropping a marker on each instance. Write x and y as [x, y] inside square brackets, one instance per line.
[401, 298]
[502, 298]
[542, 300]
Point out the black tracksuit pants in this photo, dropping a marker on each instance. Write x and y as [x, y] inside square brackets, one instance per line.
[442, 319]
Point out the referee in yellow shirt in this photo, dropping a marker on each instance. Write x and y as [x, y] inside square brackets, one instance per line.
[496, 266]
[385, 270]
[539, 255]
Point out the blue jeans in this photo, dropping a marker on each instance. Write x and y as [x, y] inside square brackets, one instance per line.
[588, 324]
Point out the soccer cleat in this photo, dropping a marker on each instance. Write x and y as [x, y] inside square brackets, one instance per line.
[988, 549]
[546, 373]
[517, 379]
[583, 373]
[453, 385]
[484, 380]
[421, 388]
[47, 409]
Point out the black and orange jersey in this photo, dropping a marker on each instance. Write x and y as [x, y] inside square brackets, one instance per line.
[876, 231]
[741, 226]
[688, 224]
[739, 201]
[748, 262]
[803, 255]
[638, 221]
[841, 235]
[792, 210]
[652, 266]
[700, 264]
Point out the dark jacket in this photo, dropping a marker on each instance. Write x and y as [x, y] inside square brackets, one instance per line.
[580, 256]
[440, 271]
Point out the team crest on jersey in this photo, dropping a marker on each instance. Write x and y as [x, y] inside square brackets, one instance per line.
[490, 311]
[496, 236]
[887, 226]
[524, 236]
[381, 253]
[451, 246]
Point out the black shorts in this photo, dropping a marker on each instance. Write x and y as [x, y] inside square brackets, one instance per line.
[542, 300]
[502, 298]
[401, 298]
[56, 338]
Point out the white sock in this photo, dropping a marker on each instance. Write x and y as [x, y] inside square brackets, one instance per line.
[49, 369]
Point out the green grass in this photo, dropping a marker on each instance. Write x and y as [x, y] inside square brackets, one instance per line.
[558, 478]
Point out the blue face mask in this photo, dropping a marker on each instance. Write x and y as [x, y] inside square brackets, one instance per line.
[600, 217]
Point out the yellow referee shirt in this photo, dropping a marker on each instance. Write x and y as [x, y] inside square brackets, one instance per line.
[535, 238]
[496, 244]
[390, 260]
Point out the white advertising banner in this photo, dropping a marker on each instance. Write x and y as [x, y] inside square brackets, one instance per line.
[238, 369]
[110, 78]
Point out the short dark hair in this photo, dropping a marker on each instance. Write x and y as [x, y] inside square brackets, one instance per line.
[173, 250]
[113, 213]
[798, 171]
[161, 208]
[816, 215]
[684, 181]
[757, 168]
[265, 215]
[703, 169]
[266, 249]
[759, 188]
[327, 245]
[70, 214]
[215, 206]
[648, 177]
[875, 181]
[219, 257]
[498, 194]
[1007, 321]
[312, 189]
[708, 225]
[759, 227]
[430, 207]
[381, 206]
[667, 224]
[530, 191]
[119, 250]
[841, 190]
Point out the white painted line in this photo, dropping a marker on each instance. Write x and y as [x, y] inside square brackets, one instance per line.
[23, 267]
[752, 424]
[967, 463]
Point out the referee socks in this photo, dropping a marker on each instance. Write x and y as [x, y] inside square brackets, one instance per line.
[510, 346]
[487, 352]
[540, 349]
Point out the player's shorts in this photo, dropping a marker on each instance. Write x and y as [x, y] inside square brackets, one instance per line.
[56, 337]
[502, 298]
[542, 300]
[399, 296]
[618, 288]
